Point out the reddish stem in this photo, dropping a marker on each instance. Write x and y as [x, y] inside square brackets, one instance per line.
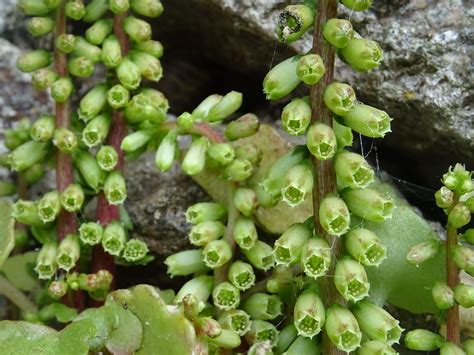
[452, 270]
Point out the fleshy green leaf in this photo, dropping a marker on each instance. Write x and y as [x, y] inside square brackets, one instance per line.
[18, 269]
[7, 234]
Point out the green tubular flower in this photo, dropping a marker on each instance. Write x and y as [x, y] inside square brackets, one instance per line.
[223, 153]
[117, 96]
[245, 126]
[340, 98]
[33, 60]
[148, 8]
[75, 9]
[294, 21]
[81, 67]
[468, 236]
[443, 295]
[89, 169]
[288, 247]
[33, 7]
[96, 130]
[321, 141]
[43, 78]
[97, 33]
[230, 103]
[61, 89]
[43, 129]
[93, 102]
[40, 26]
[158, 99]
[309, 314]
[419, 253]
[65, 140]
[57, 289]
[470, 204]
[362, 54]
[114, 238]
[353, 170]
[235, 320]
[144, 107]
[27, 155]
[26, 212]
[444, 197]
[365, 247]
[357, 5]
[310, 69]
[134, 250]
[200, 287]
[261, 256]
[303, 346]
[263, 306]
[464, 295]
[111, 53]
[296, 116]
[226, 296]
[245, 233]
[107, 158]
[228, 339]
[375, 347]
[250, 152]
[298, 185]
[368, 121]
[261, 331]
[185, 121]
[90, 233]
[68, 253]
[281, 79]
[155, 48]
[150, 67]
[115, 189]
[166, 152]
[190, 307]
[423, 340]
[286, 337]
[135, 140]
[185, 263]
[238, 170]
[245, 200]
[205, 211]
[195, 158]
[138, 30]
[34, 173]
[49, 206]
[203, 233]
[216, 253]
[72, 198]
[46, 261]
[95, 10]
[463, 256]
[241, 275]
[459, 216]
[315, 257]
[261, 348]
[451, 349]
[342, 328]
[338, 32]
[202, 110]
[369, 204]
[119, 6]
[377, 323]
[351, 280]
[66, 43]
[334, 216]
[86, 49]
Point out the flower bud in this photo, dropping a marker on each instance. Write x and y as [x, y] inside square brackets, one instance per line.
[27, 154]
[154, 48]
[241, 275]
[369, 204]
[352, 170]
[203, 233]
[195, 158]
[309, 314]
[33, 174]
[43, 78]
[111, 53]
[93, 102]
[26, 212]
[443, 295]
[261, 331]
[134, 251]
[419, 253]
[245, 126]
[321, 141]
[368, 121]
[135, 140]
[451, 349]
[46, 261]
[470, 204]
[362, 54]
[75, 9]
[261, 256]
[235, 320]
[148, 8]
[49, 206]
[114, 238]
[338, 32]
[340, 98]
[296, 116]
[96, 130]
[185, 121]
[444, 197]
[357, 5]
[315, 257]
[228, 339]
[342, 328]
[286, 337]
[351, 280]
[298, 185]
[165, 154]
[57, 289]
[91, 233]
[95, 10]
[225, 107]
[33, 60]
[463, 256]
[294, 21]
[468, 236]
[97, 33]
[245, 200]
[303, 346]
[459, 216]
[216, 253]
[377, 323]
[464, 295]
[69, 251]
[65, 140]
[334, 216]
[281, 79]
[89, 169]
[205, 211]
[263, 306]
[245, 233]
[40, 26]
[145, 106]
[33, 7]
[61, 89]
[119, 7]
[226, 296]
[200, 287]
[150, 67]
[310, 69]
[72, 198]
[376, 347]
[365, 247]
[86, 49]
[250, 152]
[138, 30]
[107, 158]
[81, 67]
[423, 340]
[43, 129]
[455, 178]
[202, 110]
[288, 247]
[115, 189]
[223, 153]
[185, 263]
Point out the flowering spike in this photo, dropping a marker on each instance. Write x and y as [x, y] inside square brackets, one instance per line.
[298, 185]
[99, 31]
[357, 5]
[296, 116]
[352, 170]
[245, 200]
[351, 280]
[61, 89]
[107, 158]
[72, 198]
[368, 121]
[203, 233]
[138, 30]
[369, 204]
[43, 78]
[263, 306]
[294, 21]
[111, 53]
[90, 233]
[241, 275]
[195, 158]
[310, 69]
[165, 154]
[261, 331]
[342, 328]
[49, 206]
[230, 103]
[216, 253]
[315, 257]
[69, 252]
[423, 340]
[362, 54]
[245, 126]
[40, 26]
[33, 60]
[134, 251]
[27, 154]
[114, 238]
[235, 320]
[288, 247]
[464, 295]
[365, 247]
[115, 189]
[340, 98]
[338, 32]
[309, 314]
[261, 256]
[245, 233]
[226, 296]
[223, 153]
[46, 261]
[185, 263]
[93, 102]
[281, 79]
[419, 253]
[334, 216]
[95, 10]
[89, 169]
[321, 141]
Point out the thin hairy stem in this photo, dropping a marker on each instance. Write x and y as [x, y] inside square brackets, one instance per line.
[16, 296]
[452, 275]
